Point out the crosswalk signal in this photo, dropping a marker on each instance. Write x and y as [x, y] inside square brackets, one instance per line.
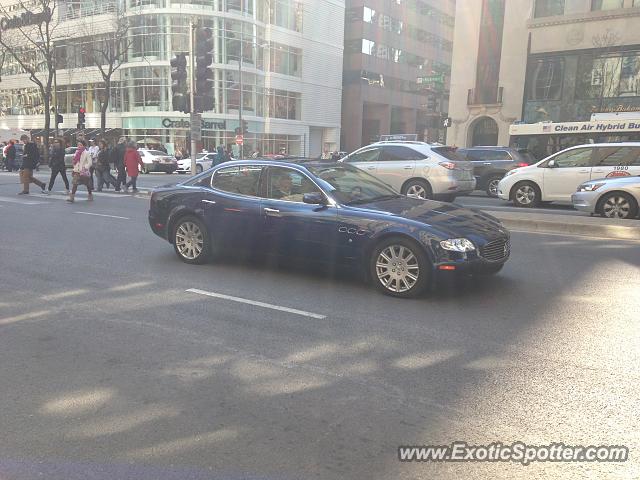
[447, 122]
[81, 118]
[179, 88]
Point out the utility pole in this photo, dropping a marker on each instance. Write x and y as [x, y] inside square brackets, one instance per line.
[241, 99]
[192, 84]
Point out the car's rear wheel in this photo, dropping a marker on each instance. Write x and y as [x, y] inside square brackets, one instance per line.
[492, 186]
[191, 240]
[618, 205]
[417, 189]
[398, 267]
[526, 194]
[145, 169]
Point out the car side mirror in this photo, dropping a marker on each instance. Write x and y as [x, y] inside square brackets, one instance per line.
[552, 164]
[314, 198]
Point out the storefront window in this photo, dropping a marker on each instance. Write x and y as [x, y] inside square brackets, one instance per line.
[607, 77]
[548, 8]
[606, 4]
[546, 79]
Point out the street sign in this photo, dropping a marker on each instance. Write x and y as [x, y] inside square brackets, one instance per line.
[239, 139]
[196, 127]
[437, 78]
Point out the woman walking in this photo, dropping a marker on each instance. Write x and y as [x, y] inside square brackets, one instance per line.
[81, 171]
[132, 160]
[103, 168]
[57, 165]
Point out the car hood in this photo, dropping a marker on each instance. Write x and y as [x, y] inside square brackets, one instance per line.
[449, 219]
[618, 181]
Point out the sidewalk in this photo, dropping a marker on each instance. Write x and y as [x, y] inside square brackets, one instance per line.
[579, 224]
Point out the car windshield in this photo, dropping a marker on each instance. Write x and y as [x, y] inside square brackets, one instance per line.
[156, 153]
[351, 186]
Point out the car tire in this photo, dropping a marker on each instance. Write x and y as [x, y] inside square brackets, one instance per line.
[181, 173]
[418, 189]
[492, 185]
[448, 198]
[199, 169]
[145, 170]
[191, 240]
[412, 261]
[618, 205]
[526, 195]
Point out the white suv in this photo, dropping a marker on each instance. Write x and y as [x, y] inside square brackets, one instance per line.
[557, 177]
[417, 169]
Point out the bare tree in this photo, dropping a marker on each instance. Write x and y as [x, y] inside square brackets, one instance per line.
[108, 52]
[29, 41]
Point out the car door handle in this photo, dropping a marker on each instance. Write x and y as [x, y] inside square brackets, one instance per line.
[271, 212]
[371, 168]
[585, 171]
[597, 171]
[488, 163]
[211, 202]
[408, 167]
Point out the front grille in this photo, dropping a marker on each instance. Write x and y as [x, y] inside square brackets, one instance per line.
[496, 250]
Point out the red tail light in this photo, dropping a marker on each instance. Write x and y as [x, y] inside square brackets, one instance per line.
[448, 165]
[522, 164]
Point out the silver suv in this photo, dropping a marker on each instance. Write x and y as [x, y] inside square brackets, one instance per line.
[417, 169]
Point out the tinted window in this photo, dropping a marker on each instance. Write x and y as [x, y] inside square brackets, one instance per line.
[370, 155]
[397, 153]
[614, 156]
[485, 155]
[450, 153]
[580, 157]
[239, 180]
[288, 184]
[348, 184]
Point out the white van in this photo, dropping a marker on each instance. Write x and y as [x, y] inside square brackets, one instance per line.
[557, 177]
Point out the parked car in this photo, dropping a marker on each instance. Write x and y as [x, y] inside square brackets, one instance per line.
[327, 212]
[416, 169]
[157, 161]
[69, 154]
[204, 161]
[616, 197]
[490, 164]
[556, 178]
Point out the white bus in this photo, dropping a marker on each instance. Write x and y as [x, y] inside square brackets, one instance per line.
[546, 138]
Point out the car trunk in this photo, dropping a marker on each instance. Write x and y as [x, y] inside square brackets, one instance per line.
[464, 168]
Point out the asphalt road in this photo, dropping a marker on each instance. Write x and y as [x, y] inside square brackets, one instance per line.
[110, 369]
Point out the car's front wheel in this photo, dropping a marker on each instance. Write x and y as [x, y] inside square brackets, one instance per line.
[398, 267]
[191, 241]
[417, 189]
[618, 205]
[492, 186]
[526, 194]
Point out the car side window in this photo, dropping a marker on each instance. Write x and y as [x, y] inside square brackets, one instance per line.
[500, 155]
[241, 180]
[617, 156]
[471, 155]
[370, 155]
[579, 157]
[393, 153]
[288, 184]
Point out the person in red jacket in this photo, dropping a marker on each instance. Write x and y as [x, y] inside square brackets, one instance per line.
[132, 160]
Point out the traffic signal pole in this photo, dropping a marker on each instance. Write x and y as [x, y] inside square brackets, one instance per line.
[241, 99]
[192, 83]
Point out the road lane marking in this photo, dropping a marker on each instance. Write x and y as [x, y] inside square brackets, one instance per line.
[257, 304]
[20, 201]
[574, 235]
[102, 215]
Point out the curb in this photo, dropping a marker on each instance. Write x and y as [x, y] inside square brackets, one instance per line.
[583, 226]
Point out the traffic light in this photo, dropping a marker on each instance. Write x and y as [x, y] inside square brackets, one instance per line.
[204, 73]
[179, 85]
[59, 119]
[81, 118]
[245, 127]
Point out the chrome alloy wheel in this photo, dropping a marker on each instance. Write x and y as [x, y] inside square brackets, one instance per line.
[189, 240]
[492, 187]
[616, 206]
[525, 195]
[417, 191]
[397, 268]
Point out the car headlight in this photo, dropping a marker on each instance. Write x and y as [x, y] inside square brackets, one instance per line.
[589, 187]
[511, 172]
[458, 245]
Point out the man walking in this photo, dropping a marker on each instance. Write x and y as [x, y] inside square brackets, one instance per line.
[118, 154]
[56, 162]
[30, 159]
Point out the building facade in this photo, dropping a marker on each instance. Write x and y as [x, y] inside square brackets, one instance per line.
[291, 72]
[541, 61]
[397, 62]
